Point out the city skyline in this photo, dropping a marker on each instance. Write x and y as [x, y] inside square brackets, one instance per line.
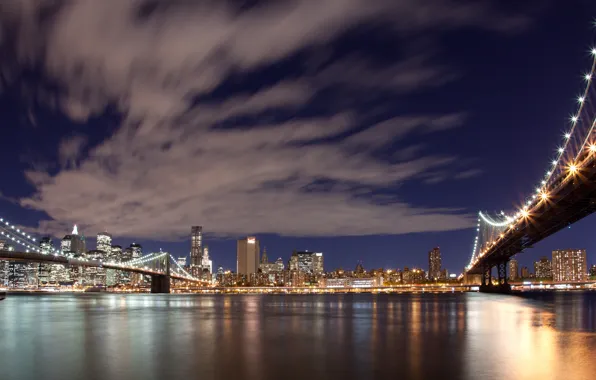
[382, 228]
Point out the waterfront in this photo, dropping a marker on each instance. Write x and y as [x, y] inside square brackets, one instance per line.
[408, 336]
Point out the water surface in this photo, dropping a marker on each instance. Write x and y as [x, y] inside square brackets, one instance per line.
[407, 336]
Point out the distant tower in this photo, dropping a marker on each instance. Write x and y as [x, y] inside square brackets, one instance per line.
[206, 263]
[247, 256]
[513, 270]
[264, 258]
[569, 265]
[196, 250]
[434, 264]
[104, 242]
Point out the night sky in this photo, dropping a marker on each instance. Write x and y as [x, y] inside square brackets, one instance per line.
[368, 130]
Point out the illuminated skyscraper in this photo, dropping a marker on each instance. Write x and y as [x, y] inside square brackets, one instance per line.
[543, 269]
[434, 264]
[196, 250]
[569, 265]
[513, 270]
[247, 256]
[113, 275]
[104, 242]
[206, 262]
[137, 250]
[181, 261]
[43, 275]
[279, 264]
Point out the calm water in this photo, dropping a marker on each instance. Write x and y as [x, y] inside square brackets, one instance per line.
[449, 336]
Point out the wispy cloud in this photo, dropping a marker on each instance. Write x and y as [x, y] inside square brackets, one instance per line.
[172, 163]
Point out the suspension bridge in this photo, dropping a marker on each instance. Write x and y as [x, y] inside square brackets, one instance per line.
[565, 194]
[160, 266]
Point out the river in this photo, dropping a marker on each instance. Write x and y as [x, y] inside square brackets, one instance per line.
[362, 336]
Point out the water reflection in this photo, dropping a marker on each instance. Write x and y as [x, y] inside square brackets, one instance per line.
[416, 336]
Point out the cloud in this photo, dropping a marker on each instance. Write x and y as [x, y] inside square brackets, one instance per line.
[70, 150]
[470, 173]
[190, 152]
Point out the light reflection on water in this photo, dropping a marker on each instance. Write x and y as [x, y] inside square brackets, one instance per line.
[450, 336]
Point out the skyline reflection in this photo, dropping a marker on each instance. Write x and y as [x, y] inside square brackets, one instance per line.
[412, 336]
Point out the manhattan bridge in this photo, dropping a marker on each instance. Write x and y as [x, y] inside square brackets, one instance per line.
[565, 194]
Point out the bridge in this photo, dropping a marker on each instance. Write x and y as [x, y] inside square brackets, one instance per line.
[565, 194]
[160, 272]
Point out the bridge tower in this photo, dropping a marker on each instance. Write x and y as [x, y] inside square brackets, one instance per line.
[160, 283]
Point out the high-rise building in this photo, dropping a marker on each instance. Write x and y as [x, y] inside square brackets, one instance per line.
[77, 243]
[318, 263]
[569, 265]
[247, 256]
[434, 264]
[206, 262]
[264, 258]
[95, 276]
[196, 250]
[543, 269]
[279, 264]
[104, 242]
[525, 272]
[181, 261]
[513, 270]
[113, 275]
[44, 270]
[593, 271]
[307, 262]
[137, 250]
[65, 244]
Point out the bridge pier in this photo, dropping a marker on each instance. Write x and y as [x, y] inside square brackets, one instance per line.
[503, 286]
[160, 284]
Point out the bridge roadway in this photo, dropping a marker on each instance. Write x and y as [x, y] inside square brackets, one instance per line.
[159, 280]
[570, 199]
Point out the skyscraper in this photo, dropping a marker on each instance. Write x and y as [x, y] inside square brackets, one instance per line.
[104, 242]
[569, 265]
[513, 270]
[196, 250]
[43, 275]
[247, 256]
[434, 264]
[206, 262]
[543, 269]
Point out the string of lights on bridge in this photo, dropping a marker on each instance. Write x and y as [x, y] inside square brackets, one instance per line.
[16, 235]
[559, 167]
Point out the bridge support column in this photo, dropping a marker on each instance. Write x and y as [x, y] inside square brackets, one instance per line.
[160, 284]
[503, 286]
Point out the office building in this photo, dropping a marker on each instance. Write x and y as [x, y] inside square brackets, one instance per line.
[513, 270]
[279, 265]
[206, 262]
[525, 272]
[43, 275]
[569, 265]
[104, 242]
[434, 264]
[543, 269]
[247, 256]
[95, 276]
[137, 250]
[593, 271]
[196, 250]
[181, 261]
[113, 275]
[307, 262]
[77, 243]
